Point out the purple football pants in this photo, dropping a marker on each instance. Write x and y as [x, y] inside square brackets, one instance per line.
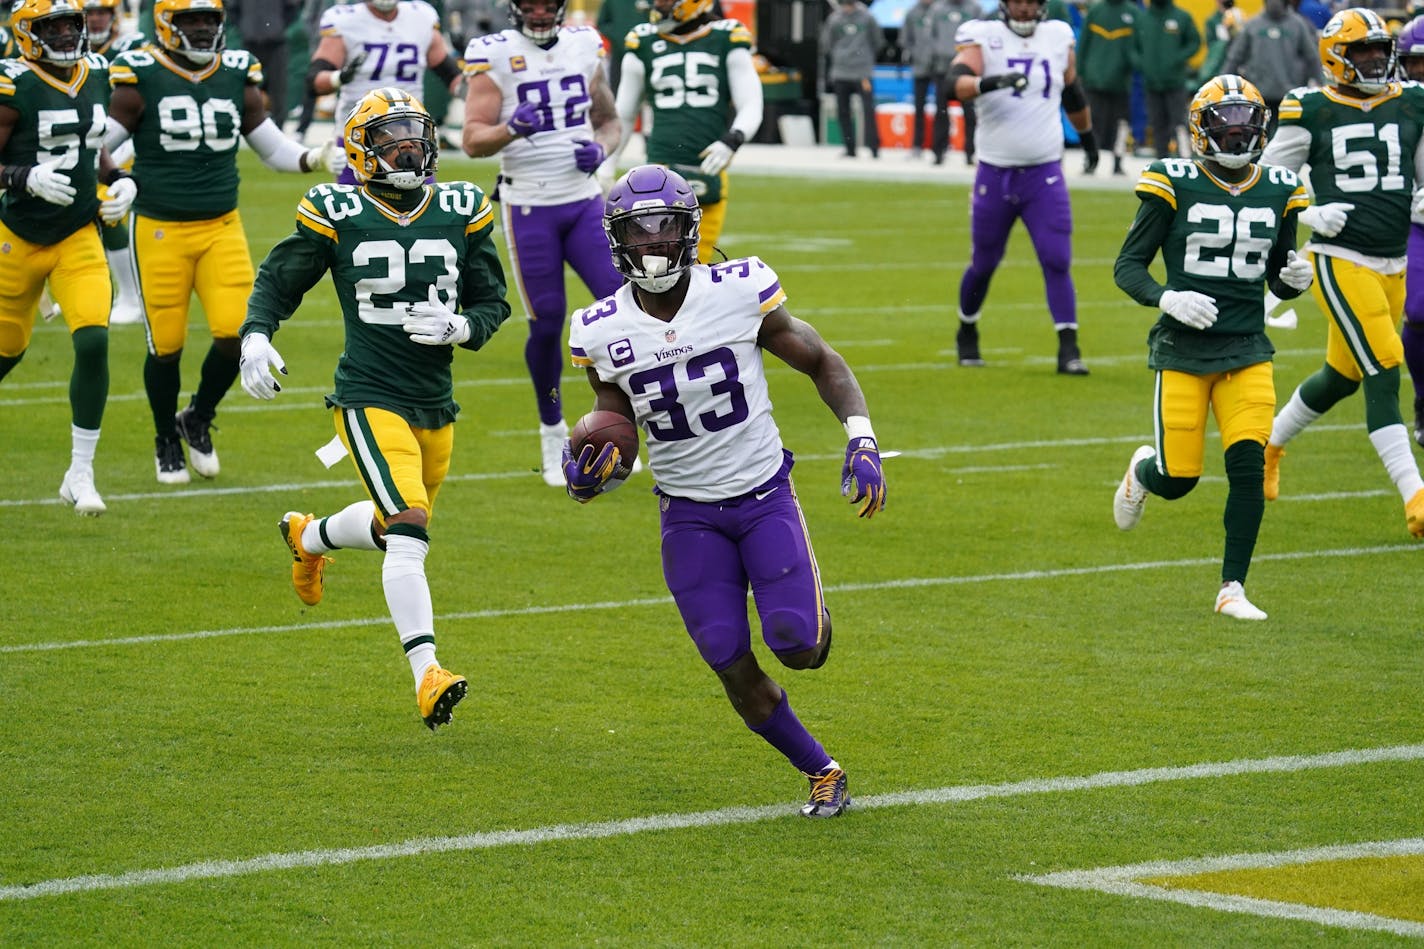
[713, 551]
[1038, 195]
[1412, 332]
[541, 240]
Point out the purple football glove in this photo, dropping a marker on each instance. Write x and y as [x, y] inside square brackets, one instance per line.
[588, 155]
[862, 471]
[586, 476]
[525, 120]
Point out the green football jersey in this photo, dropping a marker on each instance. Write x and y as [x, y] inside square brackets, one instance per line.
[57, 120]
[381, 260]
[1362, 153]
[1218, 238]
[686, 85]
[185, 146]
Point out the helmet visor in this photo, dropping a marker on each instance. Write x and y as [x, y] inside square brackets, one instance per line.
[643, 230]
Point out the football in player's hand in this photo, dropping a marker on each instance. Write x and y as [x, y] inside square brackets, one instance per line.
[599, 427]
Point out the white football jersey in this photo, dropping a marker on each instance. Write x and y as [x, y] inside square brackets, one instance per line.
[697, 382]
[1020, 128]
[540, 169]
[396, 51]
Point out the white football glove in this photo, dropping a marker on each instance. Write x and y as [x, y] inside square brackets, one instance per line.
[46, 182]
[715, 157]
[1297, 274]
[121, 197]
[1189, 308]
[330, 156]
[1327, 220]
[257, 356]
[432, 323]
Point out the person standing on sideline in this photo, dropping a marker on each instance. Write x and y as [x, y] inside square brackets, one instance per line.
[262, 24]
[1209, 347]
[552, 134]
[616, 19]
[186, 230]
[1019, 70]
[52, 104]
[1217, 33]
[1409, 44]
[730, 516]
[695, 70]
[1166, 37]
[378, 44]
[1277, 51]
[927, 41]
[1107, 58]
[1364, 181]
[851, 41]
[430, 250]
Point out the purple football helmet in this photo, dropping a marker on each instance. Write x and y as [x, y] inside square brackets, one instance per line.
[652, 221]
[539, 28]
[1409, 49]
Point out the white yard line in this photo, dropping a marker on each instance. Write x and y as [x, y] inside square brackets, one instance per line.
[215, 869]
[1126, 881]
[906, 583]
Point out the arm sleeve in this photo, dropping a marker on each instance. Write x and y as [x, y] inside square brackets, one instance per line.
[1280, 251]
[276, 150]
[292, 268]
[1148, 231]
[746, 92]
[630, 96]
[114, 134]
[1290, 146]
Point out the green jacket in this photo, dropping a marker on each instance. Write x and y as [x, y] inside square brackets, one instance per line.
[1107, 46]
[1166, 37]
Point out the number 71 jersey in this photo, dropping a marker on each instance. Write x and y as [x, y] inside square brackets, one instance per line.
[697, 382]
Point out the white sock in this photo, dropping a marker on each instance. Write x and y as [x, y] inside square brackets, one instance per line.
[561, 429]
[121, 266]
[968, 317]
[349, 529]
[408, 598]
[82, 442]
[1393, 446]
[1292, 420]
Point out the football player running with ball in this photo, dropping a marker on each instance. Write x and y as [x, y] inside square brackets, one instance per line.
[1225, 227]
[186, 103]
[1363, 138]
[679, 349]
[416, 272]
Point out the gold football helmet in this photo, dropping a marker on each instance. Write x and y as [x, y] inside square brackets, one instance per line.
[1357, 50]
[49, 31]
[1227, 121]
[670, 16]
[95, 10]
[390, 139]
[191, 28]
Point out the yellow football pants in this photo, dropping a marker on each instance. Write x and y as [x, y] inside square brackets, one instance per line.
[401, 466]
[1364, 308]
[78, 275]
[1243, 401]
[177, 258]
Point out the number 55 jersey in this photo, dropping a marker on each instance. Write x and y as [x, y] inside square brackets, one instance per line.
[697, 382]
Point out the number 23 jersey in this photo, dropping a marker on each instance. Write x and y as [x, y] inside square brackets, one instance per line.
[697, 382]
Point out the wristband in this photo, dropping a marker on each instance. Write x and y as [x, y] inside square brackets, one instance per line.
[113, 175]
[858, 426]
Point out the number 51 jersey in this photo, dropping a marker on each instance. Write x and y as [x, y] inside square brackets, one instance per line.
[697, 382]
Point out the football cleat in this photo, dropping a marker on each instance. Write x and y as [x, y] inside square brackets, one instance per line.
[168, 460]
[308, 570]
[1272, 483]
[78, 489]
[1131, 496]
[551, 453]
[966, 343]
[828, 794]
[197, 432]
[1231, 601]
[440, 691]
[1414, 514]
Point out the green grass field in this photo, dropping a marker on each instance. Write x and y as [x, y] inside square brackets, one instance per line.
[188, 756]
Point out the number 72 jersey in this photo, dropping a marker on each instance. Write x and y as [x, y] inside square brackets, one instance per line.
[697, 382]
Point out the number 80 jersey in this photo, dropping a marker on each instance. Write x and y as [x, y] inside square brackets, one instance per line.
[697, 382]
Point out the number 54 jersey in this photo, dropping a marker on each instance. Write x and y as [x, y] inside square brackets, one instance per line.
[697, 382]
